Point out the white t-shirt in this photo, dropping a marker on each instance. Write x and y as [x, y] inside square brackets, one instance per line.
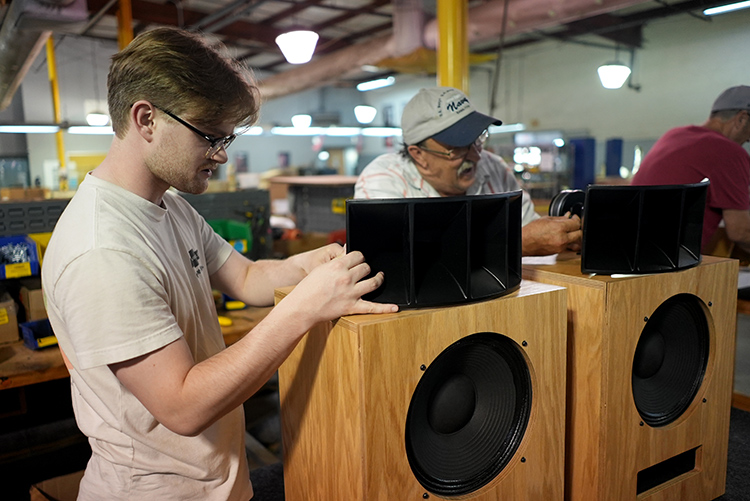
[393, 176]
[123, 277]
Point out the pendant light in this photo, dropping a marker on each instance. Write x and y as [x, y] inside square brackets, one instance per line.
[298, 45]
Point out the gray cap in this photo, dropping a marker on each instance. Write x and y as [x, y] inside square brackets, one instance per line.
[444, 114]
[734, 98]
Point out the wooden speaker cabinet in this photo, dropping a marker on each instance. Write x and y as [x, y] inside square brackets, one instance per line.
[461, 402]
[649, 383]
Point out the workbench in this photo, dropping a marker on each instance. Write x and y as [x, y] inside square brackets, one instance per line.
[20, 366]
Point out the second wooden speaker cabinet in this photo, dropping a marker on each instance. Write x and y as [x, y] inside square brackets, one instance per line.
[457, 402]
[649, 383]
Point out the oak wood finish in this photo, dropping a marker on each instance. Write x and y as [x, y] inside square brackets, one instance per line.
[606, 444]
[346, 389]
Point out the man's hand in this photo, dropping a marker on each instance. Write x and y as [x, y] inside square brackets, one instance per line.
[335, 289]
[551, 235]
[310, 260]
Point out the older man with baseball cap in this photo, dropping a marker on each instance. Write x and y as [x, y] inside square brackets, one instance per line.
[713, 150]
[442, 156]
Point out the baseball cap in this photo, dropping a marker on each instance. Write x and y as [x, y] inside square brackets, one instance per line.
[444, 114]
[734, 98]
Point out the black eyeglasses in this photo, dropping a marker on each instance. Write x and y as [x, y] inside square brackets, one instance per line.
[456, 153]
[217, 143]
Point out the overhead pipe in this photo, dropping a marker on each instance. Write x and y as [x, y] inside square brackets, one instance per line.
[483, 24]
[408, 19]
[525, 15]
[26, 26]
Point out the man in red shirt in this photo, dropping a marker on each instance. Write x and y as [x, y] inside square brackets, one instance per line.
[713, 150]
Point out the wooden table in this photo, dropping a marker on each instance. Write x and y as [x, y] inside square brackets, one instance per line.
[20, 366]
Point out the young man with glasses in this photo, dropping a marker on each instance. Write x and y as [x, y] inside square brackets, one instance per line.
[443, 156]
[128, 278]
[689, 154]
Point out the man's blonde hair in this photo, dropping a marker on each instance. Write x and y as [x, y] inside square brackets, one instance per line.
[180, 72]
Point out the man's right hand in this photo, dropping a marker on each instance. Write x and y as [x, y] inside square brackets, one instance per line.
[335, 289]
[551, 235]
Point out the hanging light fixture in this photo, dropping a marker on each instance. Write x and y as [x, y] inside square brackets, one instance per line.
[365, 113]
[302, 121]
[613, 75]
[297, 46]
[96, 117]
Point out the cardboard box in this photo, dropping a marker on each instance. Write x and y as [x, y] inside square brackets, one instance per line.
[32, 299]
[12, 194]
[8, 320]
[64, 488]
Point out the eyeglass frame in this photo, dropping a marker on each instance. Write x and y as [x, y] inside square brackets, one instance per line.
[449, 154]
[217, 143]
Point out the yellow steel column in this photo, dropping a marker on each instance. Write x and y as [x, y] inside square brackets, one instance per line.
[124, 24]
[52, 71]
[453, 44]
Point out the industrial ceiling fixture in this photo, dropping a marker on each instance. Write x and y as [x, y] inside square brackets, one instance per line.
[376, 84]
[301, 121]
[365, 113]
[726, 8]
[298, 45]
[96, 117]
[613, 75]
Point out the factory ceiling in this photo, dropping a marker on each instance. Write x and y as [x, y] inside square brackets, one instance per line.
[359, 39]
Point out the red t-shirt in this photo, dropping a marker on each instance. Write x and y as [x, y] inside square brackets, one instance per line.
[687, 155]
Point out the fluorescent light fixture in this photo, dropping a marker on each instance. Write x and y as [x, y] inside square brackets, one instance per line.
[298, 131]
[97, 119]
[613, 75]
[500, 129]
[365, 113]
[301, 121]
[726, 8]
[98, 130]
[29, 129]
[337, 131]
[343, 131]
[376, 84]
[381, 131]
[255, 130]
[297, 46]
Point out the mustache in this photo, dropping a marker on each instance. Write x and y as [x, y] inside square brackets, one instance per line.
[466, 165]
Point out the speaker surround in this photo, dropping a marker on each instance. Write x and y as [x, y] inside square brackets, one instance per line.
[670, 360]
[468, 414]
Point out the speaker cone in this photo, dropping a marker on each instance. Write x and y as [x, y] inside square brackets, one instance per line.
[670, 360]
[468, 414]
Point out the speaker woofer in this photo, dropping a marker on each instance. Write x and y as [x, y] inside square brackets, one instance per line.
[468, 414]
[670, 360]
